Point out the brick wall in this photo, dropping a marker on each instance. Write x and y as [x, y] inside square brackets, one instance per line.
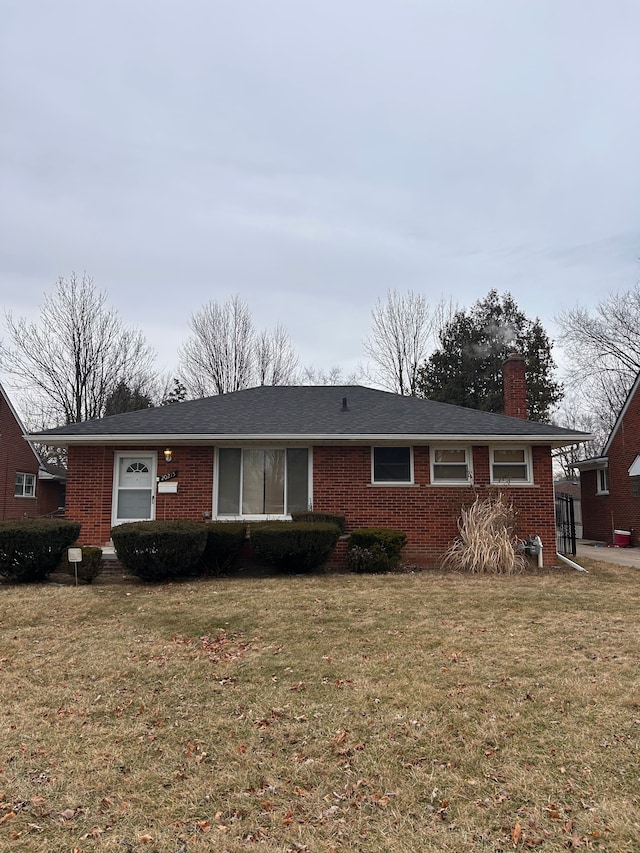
[515, 386]
[620, 509]
[341, 483]
[16, 456]
[427, 514]
[596, 509]
[90, 487]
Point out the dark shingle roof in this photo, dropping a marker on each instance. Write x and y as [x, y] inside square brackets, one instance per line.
[305, 412]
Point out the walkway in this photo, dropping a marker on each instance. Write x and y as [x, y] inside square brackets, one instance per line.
[620, 556]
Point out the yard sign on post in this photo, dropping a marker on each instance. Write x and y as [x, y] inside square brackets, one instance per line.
[75, 556]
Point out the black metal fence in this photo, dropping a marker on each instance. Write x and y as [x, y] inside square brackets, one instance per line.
[565, 525]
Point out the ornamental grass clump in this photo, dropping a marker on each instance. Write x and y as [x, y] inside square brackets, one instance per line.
[487, 543]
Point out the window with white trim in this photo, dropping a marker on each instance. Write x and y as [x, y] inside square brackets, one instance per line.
[25, 486]
[511, 465]
[603, 481]
[391, 465]
[451, 465]
[262, 481]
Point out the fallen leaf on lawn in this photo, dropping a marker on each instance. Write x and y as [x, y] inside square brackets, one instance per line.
[68, 814]
[516, 834]
[7, 817]
[145, 839]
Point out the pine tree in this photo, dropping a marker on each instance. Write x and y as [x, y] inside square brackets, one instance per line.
[466, 368]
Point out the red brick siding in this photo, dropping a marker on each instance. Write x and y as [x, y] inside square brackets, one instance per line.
[620, 509]
[16, 456]
[427, 514]
[90, 487]
[341, 484]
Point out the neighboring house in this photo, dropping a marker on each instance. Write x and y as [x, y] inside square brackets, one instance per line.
[378, 458]
[610, 482]
[571, 488]
[28, 487]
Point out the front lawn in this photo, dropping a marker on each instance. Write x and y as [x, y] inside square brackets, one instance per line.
[427, 712]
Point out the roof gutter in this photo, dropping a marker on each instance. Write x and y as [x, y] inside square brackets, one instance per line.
[62, 440]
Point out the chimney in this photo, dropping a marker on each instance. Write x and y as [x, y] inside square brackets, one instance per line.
[515, 386]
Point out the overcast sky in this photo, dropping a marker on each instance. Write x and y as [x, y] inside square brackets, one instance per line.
[310, 154]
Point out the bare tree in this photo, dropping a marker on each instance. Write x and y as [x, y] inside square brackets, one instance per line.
[225, 353]
[402, 328]
[602, 354]
[77, 354]
[331, 376]
[275, 359]
[573, 415]
[217, 357]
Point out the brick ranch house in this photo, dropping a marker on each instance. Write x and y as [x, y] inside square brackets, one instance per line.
[610, 482]
[379, 458]
[28, 486]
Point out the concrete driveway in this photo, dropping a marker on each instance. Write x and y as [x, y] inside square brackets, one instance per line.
[620, 556]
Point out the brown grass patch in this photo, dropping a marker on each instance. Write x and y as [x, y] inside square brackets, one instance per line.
[430, 712]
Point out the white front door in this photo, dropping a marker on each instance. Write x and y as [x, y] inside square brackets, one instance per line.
[134, 487]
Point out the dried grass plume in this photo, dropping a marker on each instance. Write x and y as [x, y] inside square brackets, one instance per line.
[487, 543]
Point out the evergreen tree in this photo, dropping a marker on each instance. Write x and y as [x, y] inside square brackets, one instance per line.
[176, 395]
[466, 368]
[125, 399]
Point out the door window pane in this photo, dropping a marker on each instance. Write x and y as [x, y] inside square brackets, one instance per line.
[134, 503]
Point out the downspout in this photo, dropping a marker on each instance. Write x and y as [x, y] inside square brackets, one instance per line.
[571, 563]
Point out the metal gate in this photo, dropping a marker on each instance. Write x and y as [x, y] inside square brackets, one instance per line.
[565, 525]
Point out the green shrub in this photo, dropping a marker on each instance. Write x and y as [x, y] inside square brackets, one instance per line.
[298, 546]
[328, 517]
[31, 548]
[160, 550]
[375, 549]
[90, 566]
[224, 540]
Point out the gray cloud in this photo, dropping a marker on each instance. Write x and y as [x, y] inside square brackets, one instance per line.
[311, 155]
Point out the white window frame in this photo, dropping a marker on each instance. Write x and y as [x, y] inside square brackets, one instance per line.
[26, 477]
[602, 481]
[508, 481]
[448, 481]
[408, 482]
[258, 517]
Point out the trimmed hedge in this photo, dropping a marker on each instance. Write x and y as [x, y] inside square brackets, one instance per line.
[328, 517]
[375, 549]
[224, 540]
[290, 546]
[160, 550]
[31, 548]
